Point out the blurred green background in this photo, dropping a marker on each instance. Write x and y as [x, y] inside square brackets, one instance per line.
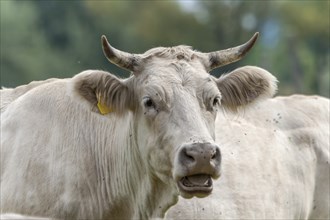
[44, 39]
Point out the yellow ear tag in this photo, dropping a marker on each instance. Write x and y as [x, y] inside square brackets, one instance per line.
[103, 108]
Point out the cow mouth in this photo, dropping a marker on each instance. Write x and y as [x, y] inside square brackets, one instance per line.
[199, 185]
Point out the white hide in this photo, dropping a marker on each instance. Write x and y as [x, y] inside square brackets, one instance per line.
[69, 161]
[61, 158]
[275, 164]
[12, 216]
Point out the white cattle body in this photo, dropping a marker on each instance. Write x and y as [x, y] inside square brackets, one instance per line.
[9, 216]
[275, 164]
[98, 147]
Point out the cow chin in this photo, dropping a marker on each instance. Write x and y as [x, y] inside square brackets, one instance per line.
[199, 185]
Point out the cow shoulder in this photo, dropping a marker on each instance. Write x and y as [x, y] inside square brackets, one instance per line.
[9, 95]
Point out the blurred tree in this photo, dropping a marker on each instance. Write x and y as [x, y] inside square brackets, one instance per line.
[49, 38]
[23, 48]
[306, 30]
[136, 26]
[69, 29]
[294, 40]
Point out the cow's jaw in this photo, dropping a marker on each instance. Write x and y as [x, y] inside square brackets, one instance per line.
[199, 185]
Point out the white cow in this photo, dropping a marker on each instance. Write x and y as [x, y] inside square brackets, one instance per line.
[13, 216]
[275, 163]
[98, 147]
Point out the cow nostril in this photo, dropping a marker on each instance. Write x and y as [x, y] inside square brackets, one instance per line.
[191, 158]
[213, 155]
[187, 155]
[216, 155]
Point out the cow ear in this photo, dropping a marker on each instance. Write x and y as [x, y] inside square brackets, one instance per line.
[104, 91]
[246, 85]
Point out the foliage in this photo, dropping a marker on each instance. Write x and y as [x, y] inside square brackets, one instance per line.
[43, 39]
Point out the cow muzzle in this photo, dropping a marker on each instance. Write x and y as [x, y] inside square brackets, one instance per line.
[198, 164]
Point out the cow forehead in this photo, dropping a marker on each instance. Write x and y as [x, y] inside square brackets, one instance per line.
[170, 71]
[173, 75]
[178, 52]
[177, 56]
[173, 69]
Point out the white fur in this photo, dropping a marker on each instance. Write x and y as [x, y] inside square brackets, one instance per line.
[8, 216]
[275, 164]
[61, 159]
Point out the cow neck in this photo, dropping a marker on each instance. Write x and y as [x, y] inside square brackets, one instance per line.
[154, 197]
[128, 188]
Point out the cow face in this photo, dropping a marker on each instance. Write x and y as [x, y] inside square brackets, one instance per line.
[175, 101]
[177, 107]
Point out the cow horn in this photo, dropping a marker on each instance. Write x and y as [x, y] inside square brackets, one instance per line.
[122, 59]
[220, 58]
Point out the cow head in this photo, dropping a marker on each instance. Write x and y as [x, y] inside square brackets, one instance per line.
[175, 102]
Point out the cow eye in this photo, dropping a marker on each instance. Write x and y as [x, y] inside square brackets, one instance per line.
[216, 101]
[148, 103]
